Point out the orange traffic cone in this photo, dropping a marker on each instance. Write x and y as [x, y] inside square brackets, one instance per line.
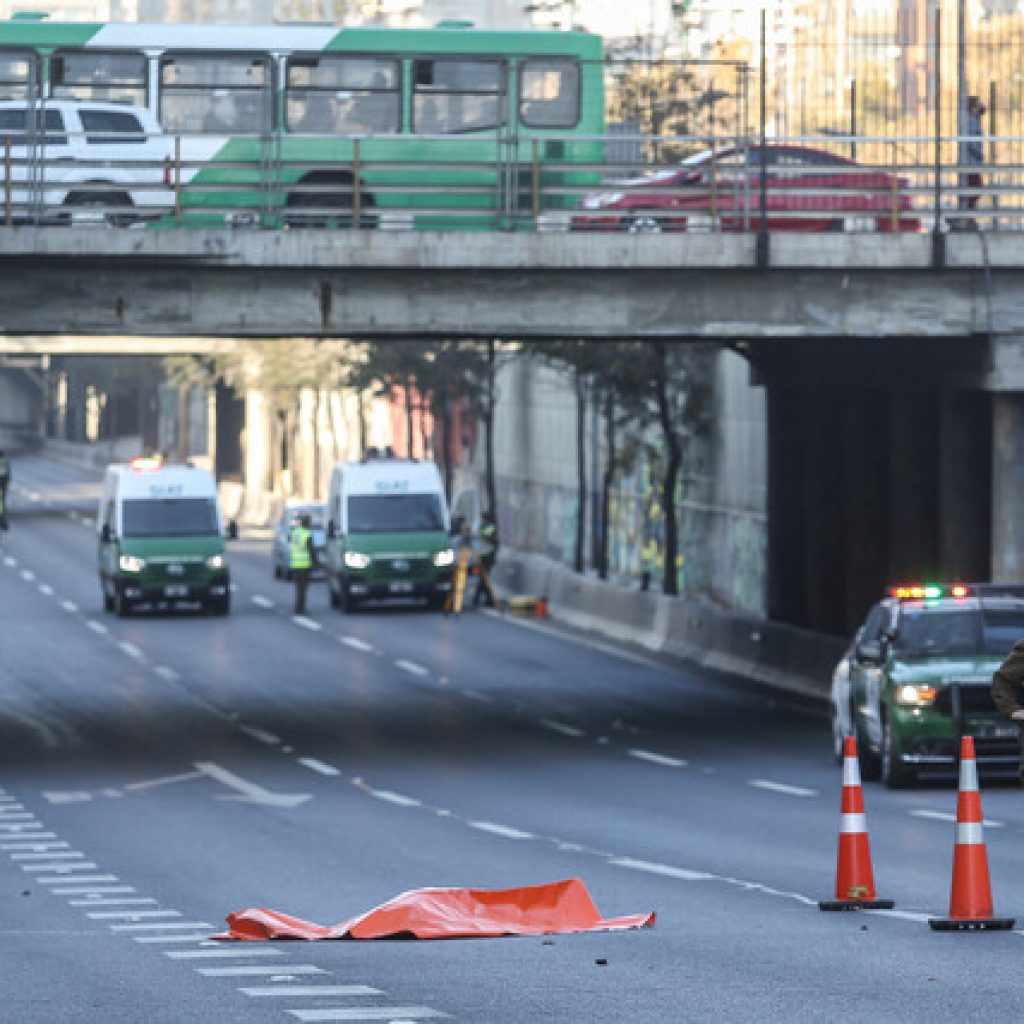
[855, 882]
[970, 899]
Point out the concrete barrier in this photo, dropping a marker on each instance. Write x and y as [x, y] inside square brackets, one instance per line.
[767, 653]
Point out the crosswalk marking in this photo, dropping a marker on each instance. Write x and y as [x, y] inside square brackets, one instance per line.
[388, 1013]
[258, 991]
[238, 950]
[259, 970]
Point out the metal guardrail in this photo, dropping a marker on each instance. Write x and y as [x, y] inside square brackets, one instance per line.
[809, 183]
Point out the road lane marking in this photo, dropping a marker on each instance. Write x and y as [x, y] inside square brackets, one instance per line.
[198, 938]
[476, 695]
[81, 890]
[194, 926]
[28, 575]
[561, 727]
[73, 797]
[387, 1013]
[318, 766]
[167, 780]
[306, 623]
[394, 798]
[259, 970]
[38, 847]
[667, 870]
[69, 606]
[16, 814]
[263, 991]
[45, 588]
[48, 856]
[944, 816]
[57, 880]
[131, 650]
[500, 830]
[240, 949]
[96, 627]
[132, 915]
[663, 759]
[260, 734]
[781, 787]
[261, 601]
[412, 667]
[249, 791]
[168, 675]
[9, 561]
[356, 644]
[59, 868]
[100, 901]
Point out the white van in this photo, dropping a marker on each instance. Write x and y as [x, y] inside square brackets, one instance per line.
[387, 532]
[161, 538]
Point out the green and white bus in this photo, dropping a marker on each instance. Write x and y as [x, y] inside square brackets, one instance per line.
[321, 126]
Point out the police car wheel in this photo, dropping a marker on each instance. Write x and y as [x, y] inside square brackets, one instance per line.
[894, 775]
[122, 606]
[870, 765]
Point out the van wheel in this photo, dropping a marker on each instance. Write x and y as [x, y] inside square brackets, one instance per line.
[315, 205]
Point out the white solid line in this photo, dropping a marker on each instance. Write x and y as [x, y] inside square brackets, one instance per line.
[263, 602]
[260, 734]
[69, 606]
[944, 816]
[357, 644]
[96, 627]
[387, 1013]
[168, 675]
[659, 869]
[132, 915]
[411, 666]
[565, 730]
[258, 991]
[500, 830]
[164, 926]
[306, 623]
[781, 787]
[241, 949]
[131, 650]
[259, 970]
[318, 766]
[45, 588]
[663, 759]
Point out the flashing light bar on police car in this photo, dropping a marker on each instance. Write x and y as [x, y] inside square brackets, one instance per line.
[929, 591]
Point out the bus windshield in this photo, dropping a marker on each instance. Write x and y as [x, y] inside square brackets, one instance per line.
[394, 513]
[169, 517]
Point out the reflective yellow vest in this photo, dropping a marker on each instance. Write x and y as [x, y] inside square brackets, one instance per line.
[298, 548]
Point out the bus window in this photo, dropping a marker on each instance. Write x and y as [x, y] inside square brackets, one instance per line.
[549, 93]
[18, 76]
[343, 96]
[109, 77]
[458, 96]
[219, 94]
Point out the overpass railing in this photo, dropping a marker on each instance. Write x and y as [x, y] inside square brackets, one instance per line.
[656, 184]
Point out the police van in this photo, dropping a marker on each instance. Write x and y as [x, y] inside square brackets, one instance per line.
[161, 538]
[387, 532]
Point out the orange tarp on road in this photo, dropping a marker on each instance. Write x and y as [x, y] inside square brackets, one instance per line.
[563, 906]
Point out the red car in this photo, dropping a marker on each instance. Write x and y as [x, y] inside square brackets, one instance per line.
[807, 190]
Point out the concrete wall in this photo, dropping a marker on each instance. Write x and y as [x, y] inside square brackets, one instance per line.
[21, 409]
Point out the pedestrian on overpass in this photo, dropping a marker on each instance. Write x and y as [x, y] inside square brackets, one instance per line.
[972, 157]
[301, 559]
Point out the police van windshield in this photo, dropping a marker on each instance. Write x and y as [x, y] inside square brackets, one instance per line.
[394, 513]
[169, 517]
[944, 629]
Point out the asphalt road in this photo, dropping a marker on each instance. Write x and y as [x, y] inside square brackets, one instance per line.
[161, 771]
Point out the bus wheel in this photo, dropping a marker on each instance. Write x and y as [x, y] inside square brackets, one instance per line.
[96, 208]
[324, 199]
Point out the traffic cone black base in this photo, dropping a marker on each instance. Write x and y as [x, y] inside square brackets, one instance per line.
[983, 924]
[856, 904]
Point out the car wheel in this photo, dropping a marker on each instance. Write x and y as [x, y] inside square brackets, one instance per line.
[894, 775]
[218, 605]
[645, 225]
[122, 606]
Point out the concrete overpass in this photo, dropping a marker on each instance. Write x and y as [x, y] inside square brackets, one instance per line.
[895, 381]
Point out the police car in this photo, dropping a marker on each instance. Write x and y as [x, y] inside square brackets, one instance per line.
[917, 677]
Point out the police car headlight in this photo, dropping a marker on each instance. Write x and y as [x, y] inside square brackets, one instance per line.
[913, 696]
[356, 560]
[216, 562]
[443, 558]
[131, 563]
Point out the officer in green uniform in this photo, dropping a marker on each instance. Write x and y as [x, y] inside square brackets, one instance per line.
[1006, 689]
[301, 557]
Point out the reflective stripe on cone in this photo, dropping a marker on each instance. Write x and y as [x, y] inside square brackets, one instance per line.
[855, 881]
[970, 898]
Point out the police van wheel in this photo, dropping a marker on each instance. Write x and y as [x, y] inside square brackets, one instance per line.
[894, 775]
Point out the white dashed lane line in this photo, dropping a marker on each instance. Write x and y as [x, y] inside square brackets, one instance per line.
[782, 787]
[297, 991]
[236, 950]
[397, 1014]
[500, 830]
[267, 738]
[306, 623]
[69, 606]
[356, 644]
[262, 602]
[46, 589]
[28, 575]
[945, 816]
[168, 675]
[318, 766]
[259, 970]
[561, 727]
[131, 650]
[412, 668]
[193, 926]
[96, 627]
[662, 759]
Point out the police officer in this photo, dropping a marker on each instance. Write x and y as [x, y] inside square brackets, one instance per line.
[301, 559]
[488, 556]
[1006, 693]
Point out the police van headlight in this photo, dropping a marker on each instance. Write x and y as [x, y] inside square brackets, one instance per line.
[131, 563]
[356, 560]
[443, 558]
[216, 562]
[913, 696]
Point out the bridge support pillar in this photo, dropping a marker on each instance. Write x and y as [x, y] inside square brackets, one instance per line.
[1008, 487]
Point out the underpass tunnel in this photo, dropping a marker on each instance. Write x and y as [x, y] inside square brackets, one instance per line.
[880, 472]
